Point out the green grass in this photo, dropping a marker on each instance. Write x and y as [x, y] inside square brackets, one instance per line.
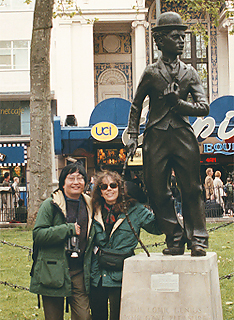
[15, 267]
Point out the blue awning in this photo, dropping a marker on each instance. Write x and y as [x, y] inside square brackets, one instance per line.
[68, 139]
[114, 110]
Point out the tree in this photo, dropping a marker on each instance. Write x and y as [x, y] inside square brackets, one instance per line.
[40, 164]
[40, 109]
[202, 9]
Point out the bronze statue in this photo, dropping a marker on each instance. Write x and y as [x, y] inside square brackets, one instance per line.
[169, 142]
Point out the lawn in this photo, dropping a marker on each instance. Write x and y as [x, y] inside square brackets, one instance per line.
[15, 268]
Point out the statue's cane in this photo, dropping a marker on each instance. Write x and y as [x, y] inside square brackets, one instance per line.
[125, 206]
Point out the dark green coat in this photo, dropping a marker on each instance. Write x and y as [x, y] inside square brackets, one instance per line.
[51, 274]
[121, 238]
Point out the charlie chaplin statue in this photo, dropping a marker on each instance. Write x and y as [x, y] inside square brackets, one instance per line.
[169, 141]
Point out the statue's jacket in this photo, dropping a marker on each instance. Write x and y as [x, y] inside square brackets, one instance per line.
[153, 82]
[50, 275]
[121, 239]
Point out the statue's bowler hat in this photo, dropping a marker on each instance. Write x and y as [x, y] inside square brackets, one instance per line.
[168, 21]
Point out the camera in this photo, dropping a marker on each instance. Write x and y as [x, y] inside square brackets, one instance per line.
[73, 248]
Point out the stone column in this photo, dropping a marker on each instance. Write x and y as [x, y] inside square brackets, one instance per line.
[82, 71]
[230, 55]
[63, 67]
[138, 50]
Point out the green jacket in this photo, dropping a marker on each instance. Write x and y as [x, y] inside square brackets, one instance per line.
[121, 238]
[50, 274]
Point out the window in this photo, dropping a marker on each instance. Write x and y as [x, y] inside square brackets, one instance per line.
[14, 118]
[195, 54]
[16, 5]
[15, 55]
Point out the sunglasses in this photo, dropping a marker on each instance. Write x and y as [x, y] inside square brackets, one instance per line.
[104, 186]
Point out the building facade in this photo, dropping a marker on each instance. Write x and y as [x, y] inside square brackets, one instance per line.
[97, 56]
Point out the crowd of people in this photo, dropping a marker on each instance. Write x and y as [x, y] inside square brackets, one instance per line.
[81, 241]
[10, 199]
[219, 193]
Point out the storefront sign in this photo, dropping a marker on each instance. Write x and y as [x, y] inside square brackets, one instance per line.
[205, 127]
[15, 154]
[223, 148]
[215, 132]
[104, 131]
[9, 111]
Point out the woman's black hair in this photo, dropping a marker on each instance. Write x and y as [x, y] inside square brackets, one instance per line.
[71, 168]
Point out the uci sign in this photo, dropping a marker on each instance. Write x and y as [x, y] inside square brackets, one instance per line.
[104, 131]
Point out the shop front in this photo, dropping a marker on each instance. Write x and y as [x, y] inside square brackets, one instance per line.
[101, 145]
[215, 135]
[13, 160]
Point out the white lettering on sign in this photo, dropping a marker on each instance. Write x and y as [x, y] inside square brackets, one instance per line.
[222, 134]
[203, 127]
[200, 124]
[224, 148]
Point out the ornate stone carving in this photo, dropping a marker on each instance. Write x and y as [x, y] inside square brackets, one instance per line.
[137, 23]
[111, 43]
[112, 77]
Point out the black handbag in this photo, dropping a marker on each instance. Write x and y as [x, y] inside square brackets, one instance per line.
[110, 259]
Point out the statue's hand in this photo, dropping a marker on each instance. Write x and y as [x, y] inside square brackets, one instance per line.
[172, 93]
[132, 146]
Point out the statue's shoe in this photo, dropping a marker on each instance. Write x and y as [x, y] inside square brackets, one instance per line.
[198, 251]
[173, 251]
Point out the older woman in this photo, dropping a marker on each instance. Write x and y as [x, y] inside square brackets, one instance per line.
[113, 235]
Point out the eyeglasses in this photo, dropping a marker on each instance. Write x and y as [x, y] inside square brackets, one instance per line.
[72, 179]
[112, 185]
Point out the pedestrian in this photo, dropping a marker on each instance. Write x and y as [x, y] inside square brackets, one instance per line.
[218, 189]
[16, 191]
[209, 184]
[114, 240]
[7, 199]
[62, 244]
[6, 181]
[229, 191]
[169, 140]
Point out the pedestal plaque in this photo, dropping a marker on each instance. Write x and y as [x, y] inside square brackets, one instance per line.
[171, 288]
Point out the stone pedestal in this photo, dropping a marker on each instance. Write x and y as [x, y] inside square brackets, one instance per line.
[171, 288]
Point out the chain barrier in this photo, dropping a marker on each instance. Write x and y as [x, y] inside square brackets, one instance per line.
[19, 246]
[164, 242]
[221, 226]
[13, 285]
[228, 276]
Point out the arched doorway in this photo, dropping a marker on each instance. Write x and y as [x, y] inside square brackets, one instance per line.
[112, 83]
